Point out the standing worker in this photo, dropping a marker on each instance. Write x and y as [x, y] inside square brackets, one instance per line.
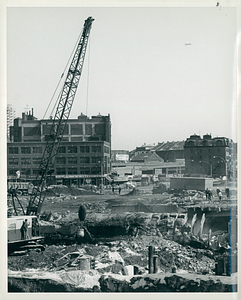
[24, 229]
[207, 193]
[227, 192]
[220, 195]
[210, 195]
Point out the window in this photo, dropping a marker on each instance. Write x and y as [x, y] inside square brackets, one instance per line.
[72, 171]
[62, 149]
[60, 171]
[13, 161]
[96, 149]
[88, 129]
[32, 131]
[85, 170]
[13, 150]
[87, 149]
[84, 149]
[60, 160]
[96, 170]
[25, 161]
[72, 149]
[25, 150]
[37, 150]
[37, 160]
[106, 149]
[84, 160]
[26, 172]
[12, 172]
[46, 129]
[76, 129]
[76, 139]
[96, 159]
[72, 160]
[35, 171]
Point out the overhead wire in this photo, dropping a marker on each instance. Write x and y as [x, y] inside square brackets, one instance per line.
[71, 55]
[87, 94]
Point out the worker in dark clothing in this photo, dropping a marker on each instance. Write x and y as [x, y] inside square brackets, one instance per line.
[227, 192]
[35, 227]
[218, 190]
[210, 195]
[24, 229]
[207, 193]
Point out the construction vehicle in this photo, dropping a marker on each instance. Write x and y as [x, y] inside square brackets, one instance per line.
[23, 188]
[53, 140]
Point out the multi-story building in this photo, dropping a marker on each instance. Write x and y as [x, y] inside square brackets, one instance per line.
[83, 156]
[207, 155]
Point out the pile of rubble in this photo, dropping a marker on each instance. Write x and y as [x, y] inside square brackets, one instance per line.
[112, 266]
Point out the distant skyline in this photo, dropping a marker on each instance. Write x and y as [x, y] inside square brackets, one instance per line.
[161, 73]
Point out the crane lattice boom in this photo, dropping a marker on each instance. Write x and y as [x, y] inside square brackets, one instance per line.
[59, 121]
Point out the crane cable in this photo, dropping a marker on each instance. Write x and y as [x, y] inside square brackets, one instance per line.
[71, 55]
[87, 93]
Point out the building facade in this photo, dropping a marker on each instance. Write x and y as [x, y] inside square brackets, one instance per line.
[207, 156]
[83, 156]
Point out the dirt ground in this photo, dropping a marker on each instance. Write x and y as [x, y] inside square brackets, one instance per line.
[133, 250]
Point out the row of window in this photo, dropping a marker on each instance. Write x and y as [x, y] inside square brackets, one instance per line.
[205, 150]
[201, 157]
[62, 171]
[73, 160]
[62, 149]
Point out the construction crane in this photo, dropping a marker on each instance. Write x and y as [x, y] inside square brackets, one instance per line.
[59, 121]
[53, 139]
[16, 240]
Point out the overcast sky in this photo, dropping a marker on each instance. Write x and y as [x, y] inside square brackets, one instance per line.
[162, 74]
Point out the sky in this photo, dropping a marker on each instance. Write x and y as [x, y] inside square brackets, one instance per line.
[162, 73]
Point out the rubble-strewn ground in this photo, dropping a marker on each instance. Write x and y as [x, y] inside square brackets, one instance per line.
[115, 252]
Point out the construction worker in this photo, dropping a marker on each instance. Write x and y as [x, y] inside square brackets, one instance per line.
[207, 193]
[227, 192]
[24, 229]
[210, 195]
[220, 195]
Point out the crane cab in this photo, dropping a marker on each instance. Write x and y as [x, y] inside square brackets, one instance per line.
[14, 226]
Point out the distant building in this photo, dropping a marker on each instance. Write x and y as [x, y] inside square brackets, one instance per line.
[207, 155]
[84, 152]
[147, 157]
[170, 151]
[167, 151]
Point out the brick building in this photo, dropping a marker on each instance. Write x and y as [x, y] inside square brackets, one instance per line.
[84, 152]
[207, 155]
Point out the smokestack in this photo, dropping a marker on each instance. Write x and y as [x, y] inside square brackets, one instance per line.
[32, 111]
